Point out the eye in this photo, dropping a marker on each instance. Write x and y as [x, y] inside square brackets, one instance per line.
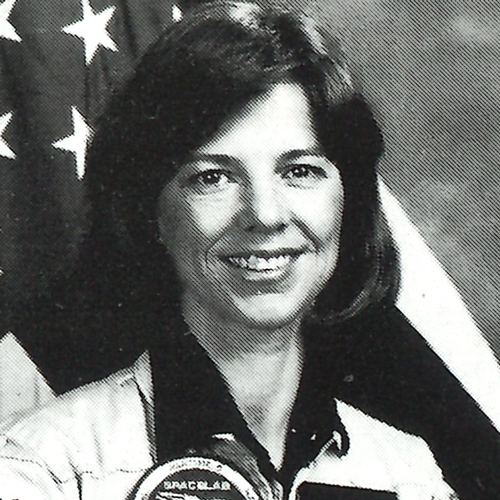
[304, 172]
[210, 179]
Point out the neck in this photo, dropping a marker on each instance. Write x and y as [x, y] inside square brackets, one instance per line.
[227, 340]
[261, 368]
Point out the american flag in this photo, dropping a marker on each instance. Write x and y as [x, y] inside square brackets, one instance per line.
[59, 61]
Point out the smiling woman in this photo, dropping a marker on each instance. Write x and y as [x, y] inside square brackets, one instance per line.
[253, 219]
[235, 229]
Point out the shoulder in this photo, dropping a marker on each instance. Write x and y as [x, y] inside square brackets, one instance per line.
[97, 428]
[382, 457]
[401, 450]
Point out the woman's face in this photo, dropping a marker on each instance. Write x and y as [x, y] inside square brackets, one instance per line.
[252, 219]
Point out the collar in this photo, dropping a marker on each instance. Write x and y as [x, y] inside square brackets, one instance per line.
[192, 404]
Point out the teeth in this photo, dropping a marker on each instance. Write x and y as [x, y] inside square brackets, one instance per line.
[255, 263]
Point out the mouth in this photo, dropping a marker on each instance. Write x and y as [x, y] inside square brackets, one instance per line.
[263, 261]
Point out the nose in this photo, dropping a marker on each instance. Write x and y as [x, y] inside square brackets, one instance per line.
[263, 208]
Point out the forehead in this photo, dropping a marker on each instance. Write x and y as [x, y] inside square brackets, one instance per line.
[279, 119]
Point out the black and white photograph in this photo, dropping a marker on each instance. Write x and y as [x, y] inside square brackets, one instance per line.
[249, 250]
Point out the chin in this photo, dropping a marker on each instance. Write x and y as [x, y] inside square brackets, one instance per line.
[267, 323]
[269, 316]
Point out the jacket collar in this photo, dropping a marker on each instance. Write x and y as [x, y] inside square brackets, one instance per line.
[141, 372]
[192, 403]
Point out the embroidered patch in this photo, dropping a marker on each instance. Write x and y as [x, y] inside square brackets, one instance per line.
[195, 478]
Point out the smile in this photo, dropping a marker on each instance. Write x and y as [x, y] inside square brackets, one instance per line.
[257, 263]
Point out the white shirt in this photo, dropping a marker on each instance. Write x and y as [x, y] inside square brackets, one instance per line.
[96, 442]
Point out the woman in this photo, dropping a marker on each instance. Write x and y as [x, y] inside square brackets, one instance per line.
[235, 227]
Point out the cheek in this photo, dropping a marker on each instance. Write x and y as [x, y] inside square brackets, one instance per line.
[322, 219]
[326, 224]
[189, 230]
[332, 224]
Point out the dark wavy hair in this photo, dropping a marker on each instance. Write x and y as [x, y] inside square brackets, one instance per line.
[200, 72]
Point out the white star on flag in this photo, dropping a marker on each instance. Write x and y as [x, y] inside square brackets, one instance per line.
[6, 29]
[92, 29]
[4, 147]
[176, 13]
[76, 143]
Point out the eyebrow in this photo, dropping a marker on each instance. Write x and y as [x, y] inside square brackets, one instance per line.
[228, 159]
[216, 157]
[299, 153]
